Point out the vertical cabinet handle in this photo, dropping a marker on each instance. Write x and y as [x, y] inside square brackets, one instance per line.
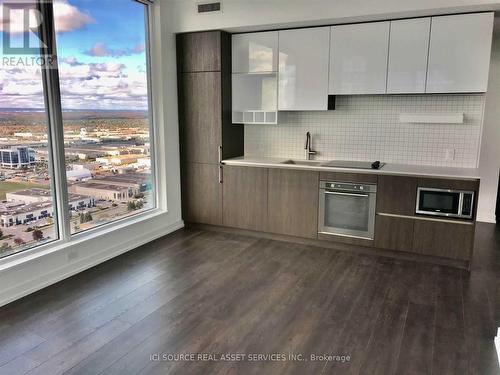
[220, 154]
[220, 174]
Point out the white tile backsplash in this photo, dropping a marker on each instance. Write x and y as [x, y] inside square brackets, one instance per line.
[367, 127]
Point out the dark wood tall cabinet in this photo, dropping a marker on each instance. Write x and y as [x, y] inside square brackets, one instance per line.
[206, 133]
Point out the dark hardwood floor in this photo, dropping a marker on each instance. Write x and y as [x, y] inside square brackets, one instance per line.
[206, 292]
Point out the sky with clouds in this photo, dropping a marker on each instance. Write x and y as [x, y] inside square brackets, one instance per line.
[101, 55]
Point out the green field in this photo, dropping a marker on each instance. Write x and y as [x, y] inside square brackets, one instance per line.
[7, 187]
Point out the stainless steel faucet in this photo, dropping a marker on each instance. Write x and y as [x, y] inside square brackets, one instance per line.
[307, 148]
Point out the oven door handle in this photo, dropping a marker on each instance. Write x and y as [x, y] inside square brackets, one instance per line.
[349, 194]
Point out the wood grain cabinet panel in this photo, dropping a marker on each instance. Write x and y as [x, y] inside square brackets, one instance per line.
[442, 239]
[349, 177]
[200, 116]
[394, 233]
[244, 198]
[201, 193]
[439, 183]
[293, 202]
[396, 195]
[199, 52]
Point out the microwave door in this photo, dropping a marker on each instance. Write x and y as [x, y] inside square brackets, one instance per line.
[439, 202]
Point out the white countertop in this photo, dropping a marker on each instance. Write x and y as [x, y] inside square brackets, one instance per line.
[387, 169]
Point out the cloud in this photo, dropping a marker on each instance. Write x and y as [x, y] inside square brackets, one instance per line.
[110, 85]
[100, 50]
[139, 48]
[72, 69]
[66, 18]
[21, 87]
[71, 60]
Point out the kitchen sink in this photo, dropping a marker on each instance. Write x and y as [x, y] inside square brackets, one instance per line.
[303, 162]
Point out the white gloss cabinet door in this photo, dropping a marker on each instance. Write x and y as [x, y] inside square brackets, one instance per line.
[255, 52]
[358, 58]
[408, 51]
[459, 53]
[303, 69]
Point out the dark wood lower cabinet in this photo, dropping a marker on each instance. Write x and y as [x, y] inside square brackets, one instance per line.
[442, 239]
[201, 193]
[285, 202]
[396, 195]
[293, 202]
[244, 198]
[394, 233]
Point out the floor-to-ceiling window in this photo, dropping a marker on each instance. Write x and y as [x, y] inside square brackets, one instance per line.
[76, 131]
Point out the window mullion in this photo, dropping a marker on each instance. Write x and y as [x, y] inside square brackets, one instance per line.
[153, 133]
[50, 77]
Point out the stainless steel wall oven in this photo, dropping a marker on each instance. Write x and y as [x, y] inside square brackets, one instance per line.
[347, 209]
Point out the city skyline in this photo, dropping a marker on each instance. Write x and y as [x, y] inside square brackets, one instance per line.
[104, 102]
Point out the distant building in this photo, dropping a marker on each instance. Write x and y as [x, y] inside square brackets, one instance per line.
[124, 150]
[78, 202]
[30, 206]
[19, 213]
[144, 162]
[78, 174]
[17, 157]
[134, 182]
[119, 159]
[24, 135]
[84, 153]
[101, 191]
[29, 196]
[85, 165]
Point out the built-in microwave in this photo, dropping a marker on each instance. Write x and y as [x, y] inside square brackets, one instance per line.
[444, 202]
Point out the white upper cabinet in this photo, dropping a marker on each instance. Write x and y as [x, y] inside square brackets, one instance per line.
[459, 53]
[408, 50]
[255, 52]
[358, 58]
[254, 98]
[303, 69]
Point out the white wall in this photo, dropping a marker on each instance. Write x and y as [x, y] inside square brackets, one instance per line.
[367, 127]
[489, 160]
[253, 14]
[24, 273]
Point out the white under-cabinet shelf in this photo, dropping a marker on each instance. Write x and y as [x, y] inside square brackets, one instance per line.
[432, 118]
[255, 117]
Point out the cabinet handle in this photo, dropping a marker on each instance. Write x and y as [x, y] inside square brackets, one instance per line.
[220, 174]
[220, 154]
[349, 194]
